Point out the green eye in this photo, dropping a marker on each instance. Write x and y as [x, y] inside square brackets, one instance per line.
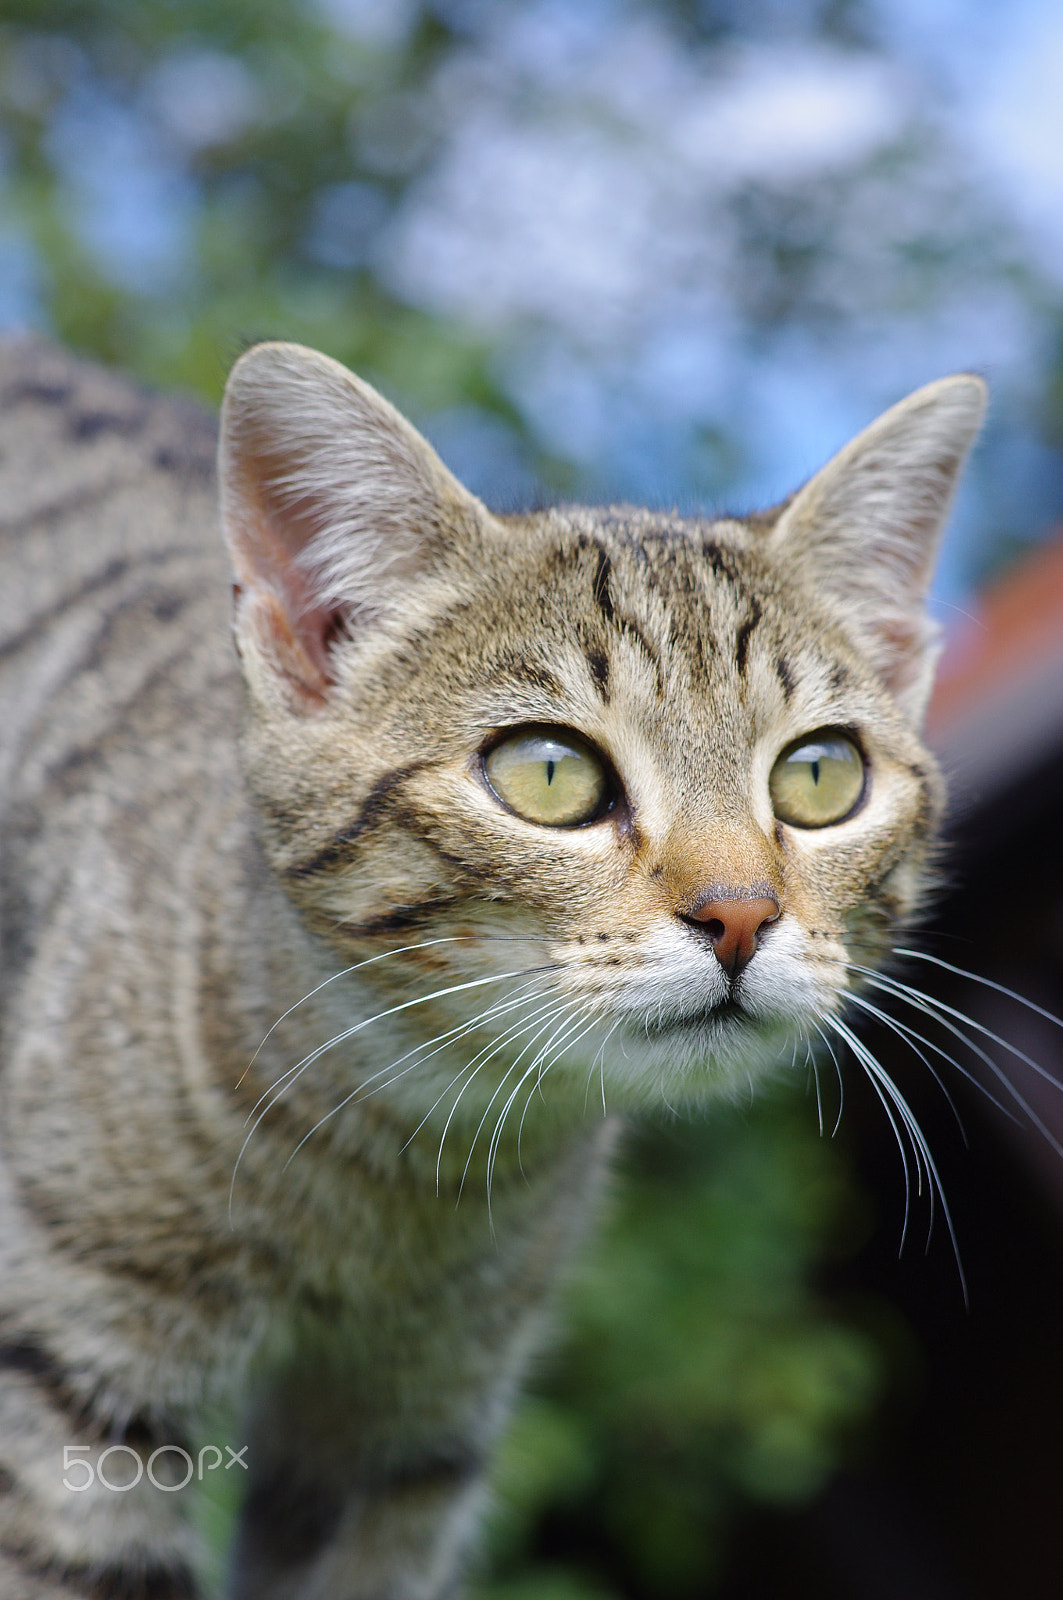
[818, 780]
[551, 778]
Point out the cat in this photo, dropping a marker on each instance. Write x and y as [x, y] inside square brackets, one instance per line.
[507, 826]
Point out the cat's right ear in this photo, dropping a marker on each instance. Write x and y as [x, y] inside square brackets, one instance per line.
[332, 506]
[865, 530]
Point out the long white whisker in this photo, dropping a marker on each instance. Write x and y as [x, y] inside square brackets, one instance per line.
[538, 1058]
[987, 983]
[537, 1086]
[812, 1066]
[551, 1011]
[565, 1042]
[938, 1008]
[562, 1006]
[536, 1066]
[426, 1049]
[381, 955]
[280, 1086]
[935, 1008]
[563, 1029]
[888, 1092]
[532, 1067]
[284, 1083]
[883, 1087]
[416, 1058]
[841, 1081]
[916, 1041]
[599, 1062]
[490, 1015]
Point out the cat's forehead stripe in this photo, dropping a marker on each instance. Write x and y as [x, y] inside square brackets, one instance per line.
[602, 596]
[598, 662]
[522, 668]
[614, 619]
[745, 628]
[710, 603]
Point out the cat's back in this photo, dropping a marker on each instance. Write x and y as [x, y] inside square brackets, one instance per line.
[98, 479]
[116, 670]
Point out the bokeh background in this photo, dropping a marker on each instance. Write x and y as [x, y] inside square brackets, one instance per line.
[674, 252]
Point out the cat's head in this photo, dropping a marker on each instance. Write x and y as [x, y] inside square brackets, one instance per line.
[647, 787]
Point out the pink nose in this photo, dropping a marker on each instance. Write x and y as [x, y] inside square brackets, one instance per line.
[734, 927]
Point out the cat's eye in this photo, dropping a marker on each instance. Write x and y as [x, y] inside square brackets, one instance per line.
[549, 776]
[817, 780]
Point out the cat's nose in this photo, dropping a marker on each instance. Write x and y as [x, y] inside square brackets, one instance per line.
[734, 927]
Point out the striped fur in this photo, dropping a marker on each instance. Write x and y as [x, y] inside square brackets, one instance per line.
[226, 1176]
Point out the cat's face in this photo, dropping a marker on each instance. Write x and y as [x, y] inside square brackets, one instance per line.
[661, 774]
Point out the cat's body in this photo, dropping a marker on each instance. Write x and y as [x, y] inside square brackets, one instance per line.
[165, 904]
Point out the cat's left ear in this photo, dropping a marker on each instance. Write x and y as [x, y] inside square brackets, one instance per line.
[333, 506]
[866, 528]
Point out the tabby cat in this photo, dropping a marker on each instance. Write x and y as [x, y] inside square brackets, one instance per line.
[533, 820]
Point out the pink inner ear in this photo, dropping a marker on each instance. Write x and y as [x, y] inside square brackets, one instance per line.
[905, 655]
[261, 617]
[265, 540]
[312, 631]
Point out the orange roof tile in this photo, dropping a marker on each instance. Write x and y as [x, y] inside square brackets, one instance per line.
[1019, 624]
[997, 711]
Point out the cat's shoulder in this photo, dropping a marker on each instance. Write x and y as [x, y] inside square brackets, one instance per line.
[96, 473]
[70, 428]
[101, 483]
[115, 599]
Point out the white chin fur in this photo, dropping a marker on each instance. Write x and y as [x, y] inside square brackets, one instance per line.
[669, 1028]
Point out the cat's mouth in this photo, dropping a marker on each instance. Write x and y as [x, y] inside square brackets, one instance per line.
[728, 1009]
[727, 1013]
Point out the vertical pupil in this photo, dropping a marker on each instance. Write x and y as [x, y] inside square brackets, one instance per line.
[550, 765]
[815, 771]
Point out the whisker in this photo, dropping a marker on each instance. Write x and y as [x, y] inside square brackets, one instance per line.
[987, 983]
[490, 1015]
[287, 1079]
[499, 1045]
[280, 1086]
[884, 1085]
[812, 1069]
[811, 1073]
[840, 1078]
[564, 1030]
[449, 1037]
[940, 1013]
[549, 1045]
[916, 1040]
[537, 1086]
[536, 1066]
[599, 1062]
[562, 1006]
[381, 955]
[889, 1095]
[420, 1053]
[533, 1066]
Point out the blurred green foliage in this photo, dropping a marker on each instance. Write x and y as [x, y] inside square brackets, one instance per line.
[701, 1370]
[253, 188]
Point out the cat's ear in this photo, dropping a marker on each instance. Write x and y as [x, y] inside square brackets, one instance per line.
[866, 528]
[332, 506]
